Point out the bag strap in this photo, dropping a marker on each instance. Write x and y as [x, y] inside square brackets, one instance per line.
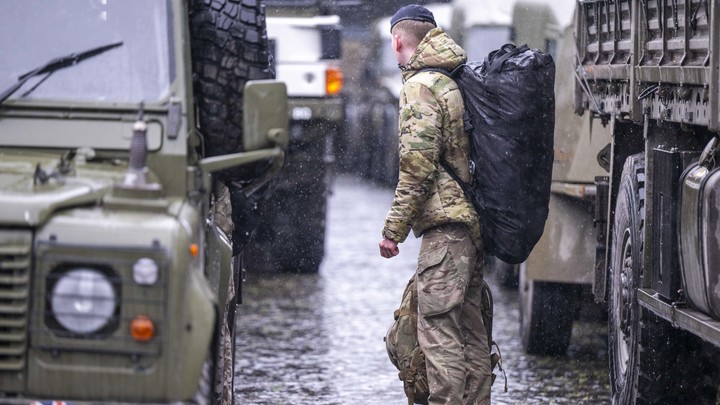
[453, 75]
[404, 312]
[487, 310]
[495, 62]
[463, 185]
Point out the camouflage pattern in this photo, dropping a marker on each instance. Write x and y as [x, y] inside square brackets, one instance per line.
[431, 125]
[403, 349]
[449, 275]
[451, 332]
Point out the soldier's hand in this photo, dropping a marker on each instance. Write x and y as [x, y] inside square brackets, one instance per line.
[388, 248]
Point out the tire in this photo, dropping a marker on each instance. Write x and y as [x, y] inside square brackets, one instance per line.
[651, 362]
[547, 312]
[356, 160]
[217, 380]
[224, 377]
[291, 237]
[624, 278]
[229, 46]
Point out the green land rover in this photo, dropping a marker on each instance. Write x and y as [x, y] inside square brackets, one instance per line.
[119, 121]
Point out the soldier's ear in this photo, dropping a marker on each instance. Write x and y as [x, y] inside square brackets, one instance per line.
[396, 42]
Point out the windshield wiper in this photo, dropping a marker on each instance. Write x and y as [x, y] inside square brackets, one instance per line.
[56, 64]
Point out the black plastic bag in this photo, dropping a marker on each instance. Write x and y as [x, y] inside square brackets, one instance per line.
[510, 104]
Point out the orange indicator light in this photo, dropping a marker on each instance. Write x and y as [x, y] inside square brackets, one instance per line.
[333, 81]
[142, 329]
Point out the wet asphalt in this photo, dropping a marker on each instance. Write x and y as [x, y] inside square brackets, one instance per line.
[318, 338]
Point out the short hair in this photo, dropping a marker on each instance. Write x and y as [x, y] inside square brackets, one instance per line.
[415, 30]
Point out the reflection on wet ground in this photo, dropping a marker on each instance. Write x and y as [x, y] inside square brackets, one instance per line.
[318, 339]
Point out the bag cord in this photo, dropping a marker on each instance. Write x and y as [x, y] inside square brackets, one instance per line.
[488, 308]
[409, 376]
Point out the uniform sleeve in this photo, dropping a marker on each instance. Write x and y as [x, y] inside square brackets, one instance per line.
[419, 149]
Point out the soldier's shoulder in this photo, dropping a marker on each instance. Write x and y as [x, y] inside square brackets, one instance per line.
[436, 81]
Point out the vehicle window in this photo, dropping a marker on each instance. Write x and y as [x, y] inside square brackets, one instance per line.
[34, 32]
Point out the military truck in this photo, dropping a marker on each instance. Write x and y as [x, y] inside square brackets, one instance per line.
[650, 71]
[305, 42]
[119, 120]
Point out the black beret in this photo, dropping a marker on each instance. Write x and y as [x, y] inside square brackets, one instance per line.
[412, 12]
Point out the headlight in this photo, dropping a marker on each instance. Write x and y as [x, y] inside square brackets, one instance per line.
[83, 300]
[145, 271]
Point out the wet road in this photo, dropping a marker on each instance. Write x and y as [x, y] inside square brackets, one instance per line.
[318, 339]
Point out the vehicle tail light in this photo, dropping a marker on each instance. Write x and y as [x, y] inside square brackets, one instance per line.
[333, 81]
[194, 249]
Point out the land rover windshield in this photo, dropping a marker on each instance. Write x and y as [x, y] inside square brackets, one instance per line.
[133, 63]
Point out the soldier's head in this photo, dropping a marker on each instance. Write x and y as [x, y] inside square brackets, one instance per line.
[408, 27]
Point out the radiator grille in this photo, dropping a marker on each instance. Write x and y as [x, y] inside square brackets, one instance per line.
[15, 259]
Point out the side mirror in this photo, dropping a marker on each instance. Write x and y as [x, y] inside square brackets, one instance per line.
[265, 115]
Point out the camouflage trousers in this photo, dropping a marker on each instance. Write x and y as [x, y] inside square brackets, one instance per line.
[450, 327]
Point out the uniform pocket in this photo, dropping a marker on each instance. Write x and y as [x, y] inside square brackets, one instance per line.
[441, 286]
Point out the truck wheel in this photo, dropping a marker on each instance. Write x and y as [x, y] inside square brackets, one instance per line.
[303, 245]
[624, 278]
[547, 312]
[222, 390]
[217, 380]
[229, 46]
[291, 236]
[225, 354]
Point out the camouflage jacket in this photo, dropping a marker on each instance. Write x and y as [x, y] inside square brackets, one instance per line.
[431, 126]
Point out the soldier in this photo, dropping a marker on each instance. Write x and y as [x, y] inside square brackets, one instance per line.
[449, 273]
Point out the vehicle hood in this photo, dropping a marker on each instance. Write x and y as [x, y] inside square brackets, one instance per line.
[27, 202]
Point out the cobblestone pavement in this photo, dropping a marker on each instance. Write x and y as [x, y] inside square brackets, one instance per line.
[318, 339]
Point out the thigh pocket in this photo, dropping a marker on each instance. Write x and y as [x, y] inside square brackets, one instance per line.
[441, 286]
